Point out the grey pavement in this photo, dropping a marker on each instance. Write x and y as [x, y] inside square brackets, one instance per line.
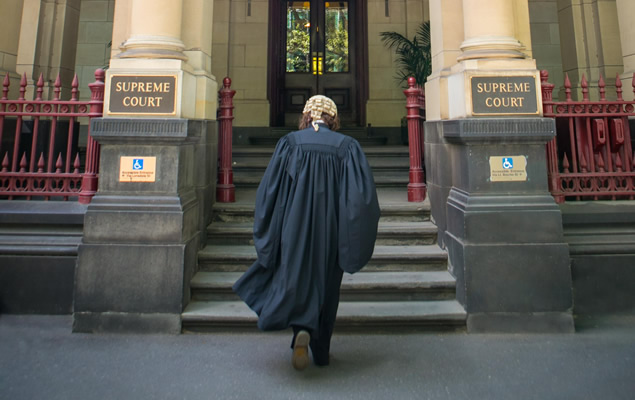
[41, 359]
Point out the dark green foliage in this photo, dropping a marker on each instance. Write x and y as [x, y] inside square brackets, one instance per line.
[413, 56]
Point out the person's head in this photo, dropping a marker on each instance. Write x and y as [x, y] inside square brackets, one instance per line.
[320, 108]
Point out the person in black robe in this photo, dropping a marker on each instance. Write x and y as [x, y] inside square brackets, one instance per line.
[316, 217]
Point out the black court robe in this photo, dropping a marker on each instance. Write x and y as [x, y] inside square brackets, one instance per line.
[316, 209]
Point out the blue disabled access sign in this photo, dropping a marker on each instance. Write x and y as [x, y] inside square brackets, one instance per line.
[137, 169]
[508, 168]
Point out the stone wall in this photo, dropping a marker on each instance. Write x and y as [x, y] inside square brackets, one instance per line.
[93, 41]
[239, 50]
[545, 38]
[11, 10]
[590, 42]
[387, 103]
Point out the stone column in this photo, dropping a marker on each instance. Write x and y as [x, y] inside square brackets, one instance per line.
[590, 42]
[489, 30]
[503, 230]
[48, 43]
[625, 13]
[145, 225]
[155, 30]
[446, 34]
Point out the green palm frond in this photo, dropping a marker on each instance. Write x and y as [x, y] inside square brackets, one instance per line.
[413, 56]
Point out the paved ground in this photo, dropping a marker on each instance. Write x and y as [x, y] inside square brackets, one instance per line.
[41, 359]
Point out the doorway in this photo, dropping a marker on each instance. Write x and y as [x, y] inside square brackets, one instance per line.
[319, 52]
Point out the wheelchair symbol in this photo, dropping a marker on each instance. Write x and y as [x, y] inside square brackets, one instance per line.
[508, 163]
[137, 164]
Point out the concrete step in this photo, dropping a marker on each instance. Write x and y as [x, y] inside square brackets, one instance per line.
[370, 151]
[359, 133]
[251, 179]
[377, 163]
[233, 258]
[393, 203]
[202, 316]
[362, 286]
[389, 233]
[272, 140]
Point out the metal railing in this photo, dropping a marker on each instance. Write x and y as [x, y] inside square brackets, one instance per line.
[591, 156]
[41, 159]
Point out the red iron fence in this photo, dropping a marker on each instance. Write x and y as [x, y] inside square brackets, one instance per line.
[38, 143]
[591, 156]
[415, 106]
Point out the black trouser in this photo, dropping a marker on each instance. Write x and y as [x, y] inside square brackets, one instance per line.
[321, 341]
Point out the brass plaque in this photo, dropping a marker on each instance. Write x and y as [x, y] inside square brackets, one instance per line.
[137, 169]
[142, 94]
[508, 168]
[504, 95]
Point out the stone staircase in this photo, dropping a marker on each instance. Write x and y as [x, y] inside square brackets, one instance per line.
[406, 283]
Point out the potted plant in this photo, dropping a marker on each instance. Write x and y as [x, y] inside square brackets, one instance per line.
[414, 58]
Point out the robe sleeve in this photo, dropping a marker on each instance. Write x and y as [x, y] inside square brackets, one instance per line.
[271, 198]
[358, 211]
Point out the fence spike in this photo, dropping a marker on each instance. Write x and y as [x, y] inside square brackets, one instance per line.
[600, 162]
[618, 162]
[76, 164]
[567, 87]
[74, 86]
[40, 87]
[583, 162]
[57, 87]
[23, 163]
[5, 86]
[5, 162]
[565, 163]
[58, 164]
[585, 88]
[602, 86]
[22, 86]
[618, 87]
[40, 163]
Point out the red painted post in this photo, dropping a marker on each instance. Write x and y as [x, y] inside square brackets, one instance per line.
[552, 146]
[225, 189]
[416, 185]
[90, 178]
[3, 106]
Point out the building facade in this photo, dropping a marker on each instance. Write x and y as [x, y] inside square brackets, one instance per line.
[234, 38]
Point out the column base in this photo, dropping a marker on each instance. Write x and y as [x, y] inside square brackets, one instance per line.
[504, 237]
[152, 53]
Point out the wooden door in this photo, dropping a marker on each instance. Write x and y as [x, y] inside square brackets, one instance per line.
[320, 51]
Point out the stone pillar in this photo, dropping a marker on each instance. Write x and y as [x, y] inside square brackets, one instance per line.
[48, 43]
[145, 225]
[446, 34]
[155, 30]
[625, 13]
[489, 30]
[503, 230]
[590, 42]
[12, 13]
